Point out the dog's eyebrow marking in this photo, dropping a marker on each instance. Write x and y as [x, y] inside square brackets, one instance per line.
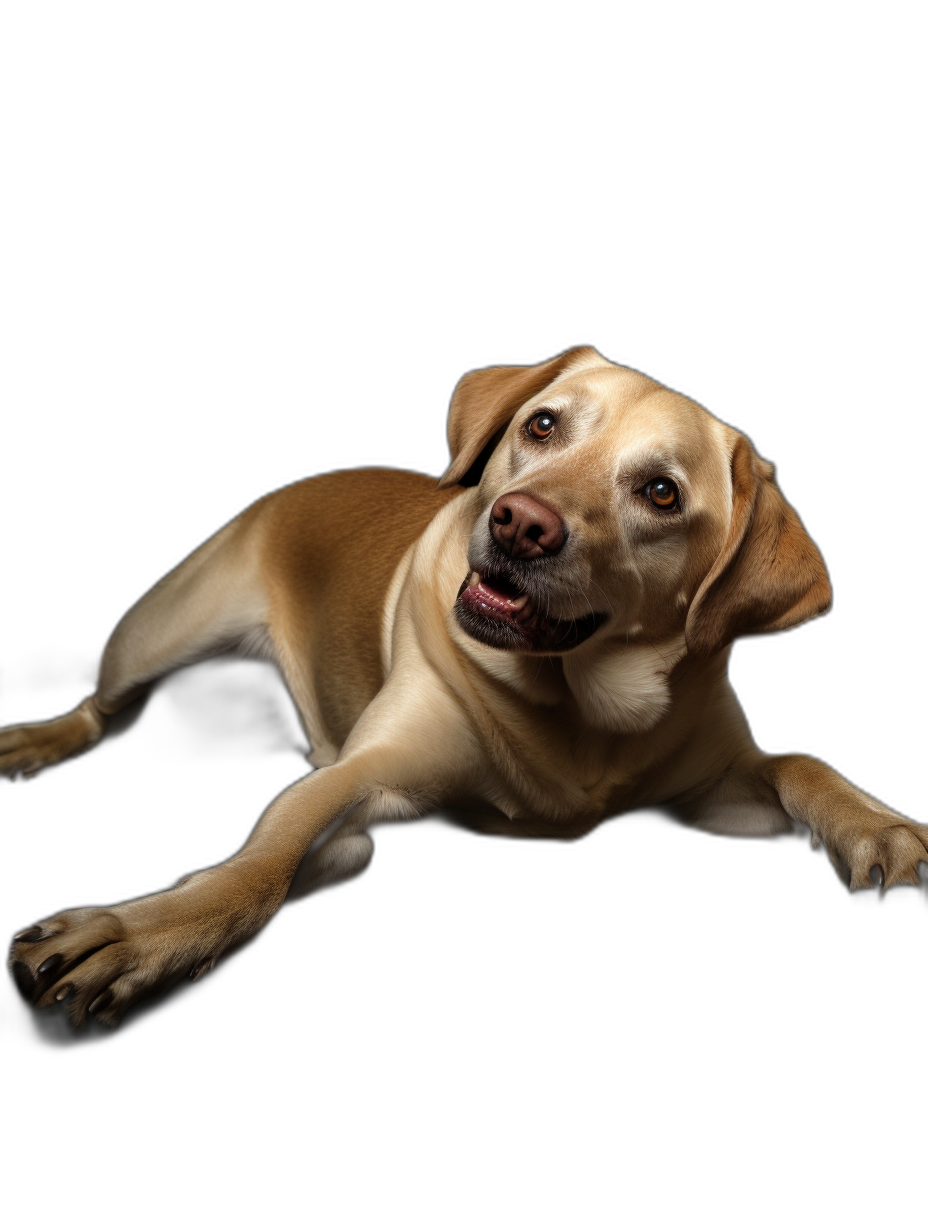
[644, 464]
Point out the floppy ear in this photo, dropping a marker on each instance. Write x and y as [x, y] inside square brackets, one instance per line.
[769, 575]
[485, 401]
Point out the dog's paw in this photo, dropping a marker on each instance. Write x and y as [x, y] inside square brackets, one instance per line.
[99, 964]
[896, 847]
[30, 748]
[74, 956]
[101, 960]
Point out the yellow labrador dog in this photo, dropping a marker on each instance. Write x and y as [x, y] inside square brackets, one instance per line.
[541, 640]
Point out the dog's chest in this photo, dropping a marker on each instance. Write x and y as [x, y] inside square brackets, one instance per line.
[559, 777]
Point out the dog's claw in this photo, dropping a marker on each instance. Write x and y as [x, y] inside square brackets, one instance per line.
[64, 991]
[29, 934]
[51, 964]
[101, 1002]
[24, 979]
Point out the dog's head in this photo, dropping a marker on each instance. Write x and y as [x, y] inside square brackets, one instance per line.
[608, 502]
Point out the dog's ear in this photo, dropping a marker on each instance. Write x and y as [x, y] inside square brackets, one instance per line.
[769, 574]
[485, 401]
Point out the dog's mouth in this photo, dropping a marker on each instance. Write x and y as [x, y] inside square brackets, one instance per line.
[493, 609]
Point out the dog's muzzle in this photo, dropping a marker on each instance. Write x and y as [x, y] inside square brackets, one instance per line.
[493, 608]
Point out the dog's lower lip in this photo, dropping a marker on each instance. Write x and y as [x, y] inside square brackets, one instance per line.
[494, 610]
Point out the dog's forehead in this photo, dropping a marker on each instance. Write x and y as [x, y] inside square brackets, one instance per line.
[637, 414]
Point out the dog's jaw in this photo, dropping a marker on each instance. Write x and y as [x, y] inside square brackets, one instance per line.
[495, 611]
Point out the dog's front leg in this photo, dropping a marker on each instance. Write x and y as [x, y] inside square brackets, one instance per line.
[103, 959]
[763, 795]
[859, 832]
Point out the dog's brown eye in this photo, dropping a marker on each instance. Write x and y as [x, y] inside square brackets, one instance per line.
[662, 493]
[541, 425]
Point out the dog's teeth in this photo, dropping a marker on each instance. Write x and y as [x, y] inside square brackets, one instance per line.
[519, 604]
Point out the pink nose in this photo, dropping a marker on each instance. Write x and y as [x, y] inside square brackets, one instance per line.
[525, 528]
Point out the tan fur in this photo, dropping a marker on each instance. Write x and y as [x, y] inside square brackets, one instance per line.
[348, 582]
[326, 588]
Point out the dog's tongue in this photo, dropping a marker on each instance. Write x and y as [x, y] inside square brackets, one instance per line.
[478, 591]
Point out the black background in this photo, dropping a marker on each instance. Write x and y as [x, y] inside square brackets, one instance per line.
[206, 316]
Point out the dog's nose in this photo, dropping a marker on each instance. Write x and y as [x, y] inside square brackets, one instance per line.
[525, 528]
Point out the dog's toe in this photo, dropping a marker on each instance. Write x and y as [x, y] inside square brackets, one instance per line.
[894, 851]
[25, 980]
[42, 955]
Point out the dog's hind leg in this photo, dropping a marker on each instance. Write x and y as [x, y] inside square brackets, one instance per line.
[213, 601]
[337, 858]
[348, 850]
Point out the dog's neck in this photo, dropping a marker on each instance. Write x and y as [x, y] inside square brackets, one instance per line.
[617, 686]
[620, 686]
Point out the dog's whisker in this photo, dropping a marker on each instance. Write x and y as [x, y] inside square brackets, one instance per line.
[606, 599]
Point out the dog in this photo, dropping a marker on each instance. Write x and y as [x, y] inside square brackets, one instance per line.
[540, 641]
